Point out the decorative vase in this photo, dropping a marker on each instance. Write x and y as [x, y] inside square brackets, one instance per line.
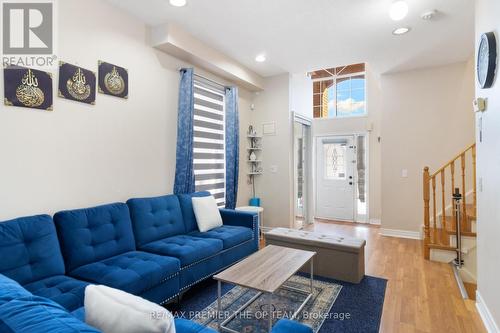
[253, 157]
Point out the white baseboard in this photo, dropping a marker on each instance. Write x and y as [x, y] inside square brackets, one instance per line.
[375, 221]
[401, 233]
[485, 314]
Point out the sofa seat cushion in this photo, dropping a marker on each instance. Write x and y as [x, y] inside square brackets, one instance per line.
[79, 313]
[10, 289]
[186, 248]
[34, 314]
[62, 289]
[228, 234]
[134, 272]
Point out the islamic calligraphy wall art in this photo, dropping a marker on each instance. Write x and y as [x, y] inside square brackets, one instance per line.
[113, 80]
[27, 87]
[76, 83]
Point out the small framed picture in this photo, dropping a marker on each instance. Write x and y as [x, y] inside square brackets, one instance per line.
[28, 88]
[76, 83]
[269, 128]
[113, 80]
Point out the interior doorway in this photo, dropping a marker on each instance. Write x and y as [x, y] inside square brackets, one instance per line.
[342, 177]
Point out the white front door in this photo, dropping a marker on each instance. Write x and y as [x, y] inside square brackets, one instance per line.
[335, 161]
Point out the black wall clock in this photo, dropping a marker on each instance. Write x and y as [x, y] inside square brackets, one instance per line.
[487, 60]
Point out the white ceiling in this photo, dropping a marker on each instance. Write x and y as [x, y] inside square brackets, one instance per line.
[303, 35]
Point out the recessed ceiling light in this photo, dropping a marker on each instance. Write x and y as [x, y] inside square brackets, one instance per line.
[178, 3]
[399, 10]
[429, 15]
[400, 31]
[260, 58]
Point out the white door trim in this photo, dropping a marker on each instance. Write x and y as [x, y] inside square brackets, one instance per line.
[315, 139]
[309, 178]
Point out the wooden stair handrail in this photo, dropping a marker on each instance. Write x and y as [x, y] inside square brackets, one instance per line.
[453, 160]
[436, 238]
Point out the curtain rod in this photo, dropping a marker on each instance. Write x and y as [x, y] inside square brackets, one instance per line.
[209, 80]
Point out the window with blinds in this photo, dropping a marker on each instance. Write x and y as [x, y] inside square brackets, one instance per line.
[209, 141]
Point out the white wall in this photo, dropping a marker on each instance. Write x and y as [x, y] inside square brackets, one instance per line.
[488, 161]
[427, 119]
[323, 127]
[81, 155]
[301, 94]
[275, 188]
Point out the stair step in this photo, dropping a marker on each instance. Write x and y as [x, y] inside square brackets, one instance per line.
[439, 238]
[442, 247]
[471, 211]
[466, 227]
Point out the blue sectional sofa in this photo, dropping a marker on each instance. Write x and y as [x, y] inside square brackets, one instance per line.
[167, 226]
[150, 247]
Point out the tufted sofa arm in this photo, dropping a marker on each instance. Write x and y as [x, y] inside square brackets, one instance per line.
[240, 218]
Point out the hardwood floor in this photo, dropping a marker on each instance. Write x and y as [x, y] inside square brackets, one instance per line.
[421, 295]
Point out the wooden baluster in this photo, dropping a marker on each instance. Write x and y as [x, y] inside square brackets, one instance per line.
[426, 194]
[464, 194]
[443, 202]
[452, 169]
[474, 192]
[433, 178]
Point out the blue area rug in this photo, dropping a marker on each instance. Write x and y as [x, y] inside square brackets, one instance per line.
[356, 307]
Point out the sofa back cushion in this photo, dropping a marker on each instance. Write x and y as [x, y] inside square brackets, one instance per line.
[93, 234]
[156, 218]
[30, 249]
[186, 203]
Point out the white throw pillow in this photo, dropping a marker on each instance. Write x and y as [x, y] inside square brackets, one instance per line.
[115, 311]
[207, 213]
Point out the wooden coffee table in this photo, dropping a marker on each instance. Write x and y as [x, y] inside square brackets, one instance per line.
[265, 271]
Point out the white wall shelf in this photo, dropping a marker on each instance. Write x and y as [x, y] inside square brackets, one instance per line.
[254, 149]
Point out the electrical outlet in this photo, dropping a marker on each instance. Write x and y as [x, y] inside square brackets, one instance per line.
[273, 168]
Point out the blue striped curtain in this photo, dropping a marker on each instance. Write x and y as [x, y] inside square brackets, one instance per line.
[184, 172]
[232, 146]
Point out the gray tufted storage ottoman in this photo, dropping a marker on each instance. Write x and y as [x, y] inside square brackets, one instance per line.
[337, 257]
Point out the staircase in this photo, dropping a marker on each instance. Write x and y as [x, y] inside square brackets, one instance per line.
[439, 216]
